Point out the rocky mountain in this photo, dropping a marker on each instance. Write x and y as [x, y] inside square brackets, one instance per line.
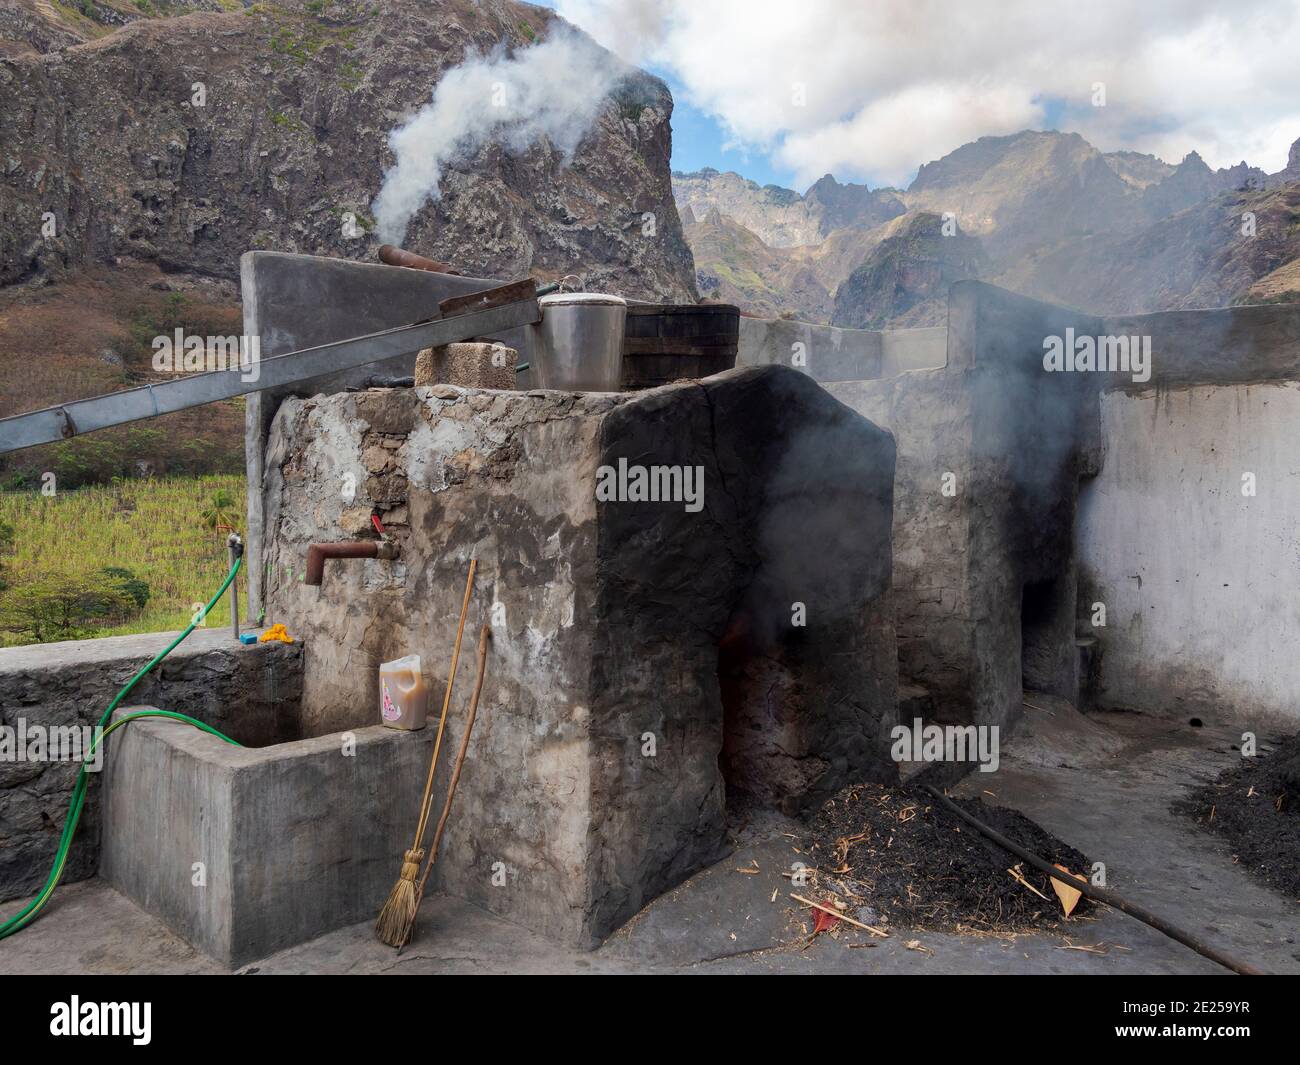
[781, 218]
[187, 140]
[1234, 247]
[904, 281]
[1137, 169]
[742, 269]
[1048, 213]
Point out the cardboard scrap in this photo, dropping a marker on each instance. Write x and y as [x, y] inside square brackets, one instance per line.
[1068, 895]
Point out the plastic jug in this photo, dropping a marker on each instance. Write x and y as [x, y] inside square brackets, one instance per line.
[403, 696]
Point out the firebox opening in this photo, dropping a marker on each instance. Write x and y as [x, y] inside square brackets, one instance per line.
[759, 713]
[1040, 636]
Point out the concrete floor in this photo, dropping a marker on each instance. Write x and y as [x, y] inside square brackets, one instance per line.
[1102, 783]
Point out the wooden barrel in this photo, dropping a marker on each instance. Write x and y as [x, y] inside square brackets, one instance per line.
[666, 342]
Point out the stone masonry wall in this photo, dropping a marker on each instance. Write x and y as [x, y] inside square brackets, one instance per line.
[607, 615]
[250, 693]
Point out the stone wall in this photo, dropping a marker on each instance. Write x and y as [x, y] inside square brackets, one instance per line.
[593, 781]
[990, 450]
[250, 693]
[297, 301]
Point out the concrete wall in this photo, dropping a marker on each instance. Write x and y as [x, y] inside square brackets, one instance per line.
[1198, 580]
[823, 352]
[246, 851]
[913, 349]
[931, 418]
[1197, 577]
[1033, 436]
[250, 693]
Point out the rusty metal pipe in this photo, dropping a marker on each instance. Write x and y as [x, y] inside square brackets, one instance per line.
[318, 553]
[395, 256]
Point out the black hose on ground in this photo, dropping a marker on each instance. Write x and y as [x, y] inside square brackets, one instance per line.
[1100, 894]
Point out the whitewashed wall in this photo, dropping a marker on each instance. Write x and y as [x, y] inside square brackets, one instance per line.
[1201, 583]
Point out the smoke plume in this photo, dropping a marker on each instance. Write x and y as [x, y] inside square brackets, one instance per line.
[554, 89]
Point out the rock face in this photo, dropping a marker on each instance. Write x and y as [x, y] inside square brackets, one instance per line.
[594, 772]
[190, 140]
[781, 218]
[905, 280]
[1203, 256]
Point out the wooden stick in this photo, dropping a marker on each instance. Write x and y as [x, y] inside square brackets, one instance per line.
[843, 917]
[1019, 879]
[485, 634]
[446, 702]
[396, 918]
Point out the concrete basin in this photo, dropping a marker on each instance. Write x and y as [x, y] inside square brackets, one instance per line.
[244, 851]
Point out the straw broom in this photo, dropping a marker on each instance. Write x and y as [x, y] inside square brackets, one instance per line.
[398, 915]
[485, 634]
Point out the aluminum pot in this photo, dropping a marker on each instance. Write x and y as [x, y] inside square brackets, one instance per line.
[578, 344]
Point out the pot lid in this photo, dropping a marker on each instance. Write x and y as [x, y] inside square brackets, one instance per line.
[602, 299]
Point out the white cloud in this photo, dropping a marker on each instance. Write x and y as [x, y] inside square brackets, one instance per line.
[891, 84]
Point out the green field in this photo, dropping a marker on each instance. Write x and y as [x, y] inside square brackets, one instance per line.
[152, 527]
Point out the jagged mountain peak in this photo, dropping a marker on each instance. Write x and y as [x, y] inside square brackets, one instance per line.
[1193, 163]
[1048, 214]
[982, 158]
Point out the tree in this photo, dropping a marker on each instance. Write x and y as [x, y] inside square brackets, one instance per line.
[137, 589]
[220, 514]
[65, 606]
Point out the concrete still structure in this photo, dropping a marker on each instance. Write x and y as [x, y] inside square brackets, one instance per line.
[646, 653]
[920, 523]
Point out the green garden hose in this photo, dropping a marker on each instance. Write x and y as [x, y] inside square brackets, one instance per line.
[32, 910]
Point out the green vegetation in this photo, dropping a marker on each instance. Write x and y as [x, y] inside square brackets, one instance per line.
[301, 37]
[6, 545]
[741, 277]
[221, 514]
[350, 75]
[283, 121]
[134, 556]
[65, 606]
[162, 316]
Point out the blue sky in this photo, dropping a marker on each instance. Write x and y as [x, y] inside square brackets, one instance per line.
[698, 141]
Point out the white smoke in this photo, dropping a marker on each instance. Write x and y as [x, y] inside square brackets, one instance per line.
[554, 89]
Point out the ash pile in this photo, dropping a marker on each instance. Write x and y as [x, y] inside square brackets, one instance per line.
[897, 859]
[1256, 807]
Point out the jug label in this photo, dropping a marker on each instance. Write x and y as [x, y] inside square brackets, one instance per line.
[389, 709]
